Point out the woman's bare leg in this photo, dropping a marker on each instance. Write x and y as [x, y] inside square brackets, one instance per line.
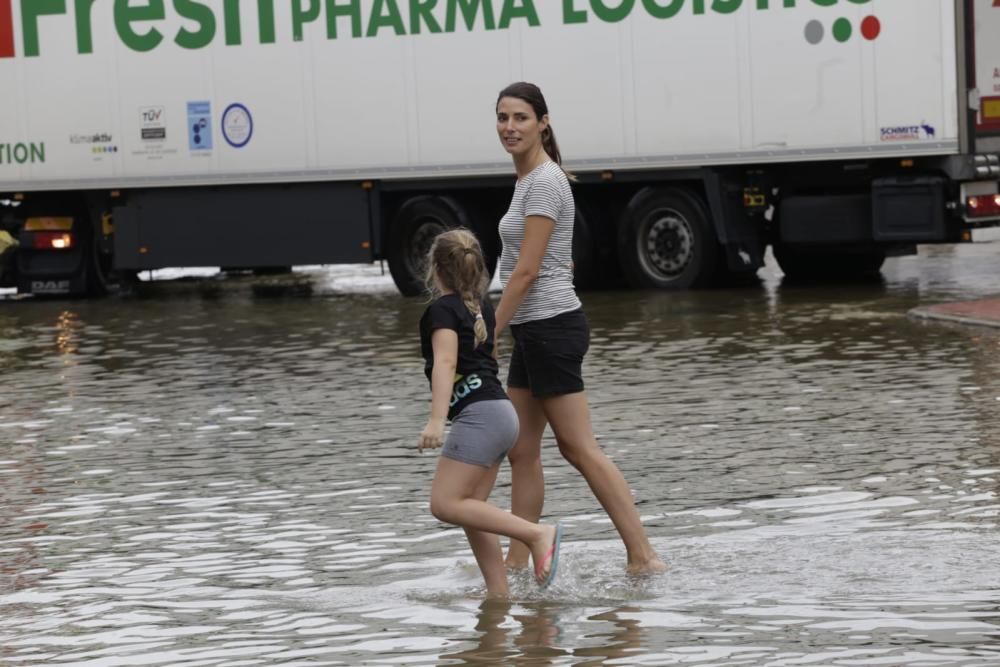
[569, 415]
[527, 493]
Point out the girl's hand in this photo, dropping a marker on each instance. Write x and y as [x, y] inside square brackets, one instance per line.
[433, 435]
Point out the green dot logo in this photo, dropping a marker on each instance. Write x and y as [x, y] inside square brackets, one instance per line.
[842, 30]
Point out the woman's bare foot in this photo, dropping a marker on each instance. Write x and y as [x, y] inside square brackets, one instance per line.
[651, 565]
[517, 556]
[517, 566]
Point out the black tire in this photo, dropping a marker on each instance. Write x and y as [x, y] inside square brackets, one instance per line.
[595, 256]
[586, 265]
[829, 264]
[666, 240]
[413, 228]
[97, 265]
[95, 274]
[272, 270]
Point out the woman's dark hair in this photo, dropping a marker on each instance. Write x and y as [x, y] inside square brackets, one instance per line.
[532, 94]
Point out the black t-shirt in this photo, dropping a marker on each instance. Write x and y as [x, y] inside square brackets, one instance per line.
[476, 370]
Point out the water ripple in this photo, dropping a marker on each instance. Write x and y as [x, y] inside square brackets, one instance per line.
[214, 478]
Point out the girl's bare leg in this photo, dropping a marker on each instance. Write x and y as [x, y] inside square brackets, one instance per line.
[486, 546]
[458, 496]
[527, 480]
[569, 416]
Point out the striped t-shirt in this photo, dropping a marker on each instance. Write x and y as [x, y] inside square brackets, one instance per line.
[544, 192]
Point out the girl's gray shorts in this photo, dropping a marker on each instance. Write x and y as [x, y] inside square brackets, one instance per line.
[482, 433]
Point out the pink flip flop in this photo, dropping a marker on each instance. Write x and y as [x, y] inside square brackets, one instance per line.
[553, 555]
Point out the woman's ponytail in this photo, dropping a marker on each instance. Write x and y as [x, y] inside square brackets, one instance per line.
[550, 145]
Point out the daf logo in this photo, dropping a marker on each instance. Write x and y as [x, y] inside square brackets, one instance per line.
[50, 286]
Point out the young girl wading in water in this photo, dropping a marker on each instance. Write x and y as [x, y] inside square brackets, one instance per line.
[456, 339]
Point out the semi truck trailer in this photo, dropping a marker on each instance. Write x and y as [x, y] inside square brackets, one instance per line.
[265, 134]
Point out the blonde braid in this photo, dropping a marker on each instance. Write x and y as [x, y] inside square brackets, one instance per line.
[479, 327]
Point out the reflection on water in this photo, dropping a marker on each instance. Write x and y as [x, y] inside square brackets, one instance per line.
[227, 477]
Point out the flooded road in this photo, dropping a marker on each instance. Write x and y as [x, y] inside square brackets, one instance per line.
[220, 475]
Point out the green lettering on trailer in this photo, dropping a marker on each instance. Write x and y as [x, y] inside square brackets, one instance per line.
[669, 11]
[573, 15]
[21, 153]
[470, 8]
[381, 18]
[265, 15]
[384, 15]
[614, 14]
[201, 15]
[726, 6]
[84, 29]
[301, 16]
[526, 10]
[30, 12]
[421, 9]
[334, 10]
[231, 21]
[126, 15]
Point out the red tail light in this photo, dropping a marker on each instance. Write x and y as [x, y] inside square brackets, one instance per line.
[983, 206]
[52, 241]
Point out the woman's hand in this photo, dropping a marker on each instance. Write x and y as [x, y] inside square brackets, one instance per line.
[432, 436]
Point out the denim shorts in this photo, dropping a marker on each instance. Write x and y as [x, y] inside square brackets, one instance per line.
[548, 354]
[482, 433]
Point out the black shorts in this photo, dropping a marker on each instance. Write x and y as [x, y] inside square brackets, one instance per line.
[548, 354]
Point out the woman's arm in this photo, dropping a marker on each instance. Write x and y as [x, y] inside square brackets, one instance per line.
[537, 232]
[445, 344]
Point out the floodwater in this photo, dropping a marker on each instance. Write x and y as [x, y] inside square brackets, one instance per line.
[213, 473]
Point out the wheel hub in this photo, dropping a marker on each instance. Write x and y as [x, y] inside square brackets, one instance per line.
[668, 243]
[423, 237]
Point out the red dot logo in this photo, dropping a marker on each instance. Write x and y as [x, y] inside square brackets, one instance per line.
[870, 27]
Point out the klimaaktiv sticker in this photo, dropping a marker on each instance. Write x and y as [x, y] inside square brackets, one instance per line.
[100, 144]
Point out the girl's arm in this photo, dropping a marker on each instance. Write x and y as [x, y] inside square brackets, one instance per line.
[445, 344]
[537, 232]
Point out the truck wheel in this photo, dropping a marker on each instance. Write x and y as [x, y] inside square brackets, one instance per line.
[829, 264]
[585, 251]
[666, 241]
[97, 266]
[413, 229]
